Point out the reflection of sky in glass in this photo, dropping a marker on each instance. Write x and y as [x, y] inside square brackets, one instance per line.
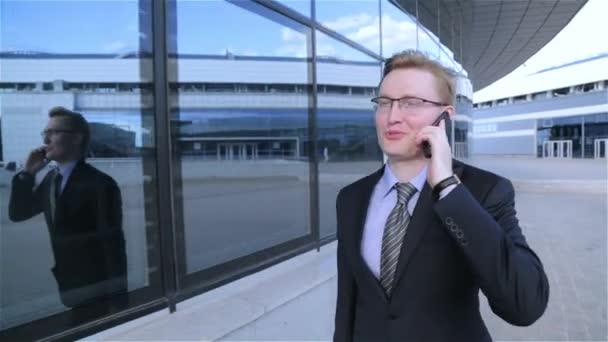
[357, 20]
[329, 47]
[427, 45]
[203, 27]
[399, 33]
[69, 26]
[219, 27]
[301, 6]
[398, 30]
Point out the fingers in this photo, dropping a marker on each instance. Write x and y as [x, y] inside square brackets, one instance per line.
[40, 149]
[431, 133]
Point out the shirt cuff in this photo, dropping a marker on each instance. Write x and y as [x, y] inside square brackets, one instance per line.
[446, 191]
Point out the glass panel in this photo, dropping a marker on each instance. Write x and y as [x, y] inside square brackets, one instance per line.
[240, 113]
[301, 6]
[427, 44]
[446, 60]
[329, 49]
[347, 145]
[357, 20]
[86, 245]
[596, 128]
[398, 30]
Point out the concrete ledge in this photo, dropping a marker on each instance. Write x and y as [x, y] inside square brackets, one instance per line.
[219, 312]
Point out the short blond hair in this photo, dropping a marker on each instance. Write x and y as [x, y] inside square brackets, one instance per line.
[412, 59]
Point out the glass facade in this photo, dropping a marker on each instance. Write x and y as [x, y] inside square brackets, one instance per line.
[223, 147]
[587, 135]
[100, 254]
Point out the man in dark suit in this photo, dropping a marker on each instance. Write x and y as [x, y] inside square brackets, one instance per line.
[83, 211]
[420, 237]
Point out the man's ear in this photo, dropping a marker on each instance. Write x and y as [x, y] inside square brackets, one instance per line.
[451, 111]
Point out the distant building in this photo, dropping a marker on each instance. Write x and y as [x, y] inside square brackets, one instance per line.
[559, 112]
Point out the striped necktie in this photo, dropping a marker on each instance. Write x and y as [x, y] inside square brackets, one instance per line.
[394, 231]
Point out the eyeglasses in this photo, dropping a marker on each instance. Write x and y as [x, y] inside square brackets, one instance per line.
[50, 131]
[383, 103]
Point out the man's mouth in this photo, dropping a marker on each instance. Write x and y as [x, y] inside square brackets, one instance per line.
[394, 135]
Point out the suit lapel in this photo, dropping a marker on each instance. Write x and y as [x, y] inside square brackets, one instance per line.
[362, 203]
[417, 228]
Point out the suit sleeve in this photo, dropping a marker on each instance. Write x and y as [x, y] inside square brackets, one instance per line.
[347, 289]
[508, 272]
[109, 218]
[25, 201]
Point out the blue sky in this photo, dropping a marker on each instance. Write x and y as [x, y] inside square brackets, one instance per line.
[69, 26]
[111, 26]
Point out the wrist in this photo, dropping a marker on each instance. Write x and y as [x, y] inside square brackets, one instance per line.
[447, 182]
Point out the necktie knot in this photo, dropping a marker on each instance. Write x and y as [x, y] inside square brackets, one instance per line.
[405, 192]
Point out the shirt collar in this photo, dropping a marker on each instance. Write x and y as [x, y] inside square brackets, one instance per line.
[65, 169]
[389, 179]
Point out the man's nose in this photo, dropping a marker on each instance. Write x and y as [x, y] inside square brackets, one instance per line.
[394, 114]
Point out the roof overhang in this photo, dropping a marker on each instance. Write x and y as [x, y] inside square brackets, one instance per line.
[491, 38]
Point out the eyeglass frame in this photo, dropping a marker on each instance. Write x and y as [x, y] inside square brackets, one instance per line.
[52, 131]
[402, 107]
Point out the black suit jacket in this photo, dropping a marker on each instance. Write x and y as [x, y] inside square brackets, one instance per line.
[86, 237]
[467, 241]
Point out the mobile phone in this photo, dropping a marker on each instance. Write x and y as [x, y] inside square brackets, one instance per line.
[426, 147]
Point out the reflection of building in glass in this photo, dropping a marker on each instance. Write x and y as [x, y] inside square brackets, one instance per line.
[240, 112]
[560, 112]
[347, 134]
[111, 141]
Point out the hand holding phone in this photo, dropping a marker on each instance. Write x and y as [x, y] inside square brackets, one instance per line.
[426, 146]
[36, 160]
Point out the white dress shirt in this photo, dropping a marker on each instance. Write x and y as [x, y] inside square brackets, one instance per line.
[65, 169]
[382, 202]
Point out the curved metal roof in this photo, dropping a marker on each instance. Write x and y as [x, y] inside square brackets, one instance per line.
[491, 38]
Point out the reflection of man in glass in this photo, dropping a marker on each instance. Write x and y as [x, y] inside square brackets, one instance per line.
[83, 211]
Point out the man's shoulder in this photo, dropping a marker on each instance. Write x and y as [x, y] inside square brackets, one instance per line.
[91, 173]
[479, 178]
[361, 184]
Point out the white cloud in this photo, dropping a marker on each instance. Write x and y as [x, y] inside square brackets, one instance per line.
[288, 35]
[349, 22]
[361, 28]
[294, 44]
[116, 46]
[397, 35]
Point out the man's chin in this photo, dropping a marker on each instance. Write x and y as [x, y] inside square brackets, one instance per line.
[404, 154]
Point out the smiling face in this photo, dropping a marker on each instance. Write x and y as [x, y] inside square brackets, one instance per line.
[397, 128]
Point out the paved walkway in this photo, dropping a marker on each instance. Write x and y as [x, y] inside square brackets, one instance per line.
[295, 300]
[568, 232]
